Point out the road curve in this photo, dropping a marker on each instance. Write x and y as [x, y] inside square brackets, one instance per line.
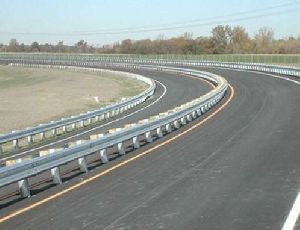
[168, 85]
[238, 170]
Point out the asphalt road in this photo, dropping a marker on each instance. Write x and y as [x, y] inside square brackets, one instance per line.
[238, 170]
[168, 85]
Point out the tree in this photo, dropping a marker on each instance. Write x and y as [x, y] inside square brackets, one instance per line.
[81, 46]
[221, 38]
[126, 46]
[60, 46]
[240, 40]
[35, 47]
[13, 45]
[263, 40]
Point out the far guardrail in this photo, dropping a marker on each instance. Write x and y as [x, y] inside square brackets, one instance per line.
[97, 115]
[20, 172]
[287, 70]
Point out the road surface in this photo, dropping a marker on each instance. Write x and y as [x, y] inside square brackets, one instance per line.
[240, 169]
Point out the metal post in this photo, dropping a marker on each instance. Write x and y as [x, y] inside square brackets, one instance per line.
[121, 148]
[194, 114]
[16, 144]
[55, 173]
[203, 110]
[103, 156]
[183, 120]
[29, 140]
[42, 135]
[159, 132]
[54, 132]
[24, 188]
[136, 143]
[199, 112]
[148, 137]
[83, 165]
[176, 124]
[168, 128]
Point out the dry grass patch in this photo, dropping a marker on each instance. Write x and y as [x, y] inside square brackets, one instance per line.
[30, 96]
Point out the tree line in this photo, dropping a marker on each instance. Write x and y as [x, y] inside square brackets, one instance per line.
[223, 40]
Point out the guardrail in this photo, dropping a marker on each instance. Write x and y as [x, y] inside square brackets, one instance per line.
[97, 115]
[287, 70]
[20, 172]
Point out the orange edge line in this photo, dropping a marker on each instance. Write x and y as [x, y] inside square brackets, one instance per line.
[52, 197]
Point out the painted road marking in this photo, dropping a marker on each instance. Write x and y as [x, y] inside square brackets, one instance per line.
[291, 220]
[126, 162]
[260, 73]
[38, 183]
[93, 129]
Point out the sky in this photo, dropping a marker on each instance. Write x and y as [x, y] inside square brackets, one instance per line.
[102, 22]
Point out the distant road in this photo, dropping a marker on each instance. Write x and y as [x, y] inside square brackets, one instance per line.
[238, 170]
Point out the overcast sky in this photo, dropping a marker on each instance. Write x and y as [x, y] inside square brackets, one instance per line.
[72, 20]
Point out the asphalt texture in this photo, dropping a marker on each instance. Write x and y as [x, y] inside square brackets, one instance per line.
[238, 170]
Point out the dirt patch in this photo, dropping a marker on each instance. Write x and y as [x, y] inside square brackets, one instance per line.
[30, 96]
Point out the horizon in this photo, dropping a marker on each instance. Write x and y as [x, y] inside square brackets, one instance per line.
[53, 21]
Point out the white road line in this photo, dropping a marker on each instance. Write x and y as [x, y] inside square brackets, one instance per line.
[260, 73]
[291, 220]
[276, 76]
[90, 130]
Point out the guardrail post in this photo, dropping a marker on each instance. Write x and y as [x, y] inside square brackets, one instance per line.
[136, 143]
[121, 148]
[203, 110]
[24, 188]
[168, 128]
[194, 114]
[54, 132]
[81, 124]
[103, 156]
[83, 165]
[55, 173]
[29, 139]
[159, 132]
[148, 137]
[206, 107]
[1, 149]
[73, 126]
[176, 124]
[183, 120]
[112, 113]
[189, 117]
[64, 129]
[42, 135]
[16, 144]
[209, 105]
[199, 112]
[107, 115]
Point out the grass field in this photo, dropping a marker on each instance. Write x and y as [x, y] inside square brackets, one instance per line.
[33, 96]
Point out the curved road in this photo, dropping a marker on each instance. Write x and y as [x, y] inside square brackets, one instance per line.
[168, 85]
[237, 170]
